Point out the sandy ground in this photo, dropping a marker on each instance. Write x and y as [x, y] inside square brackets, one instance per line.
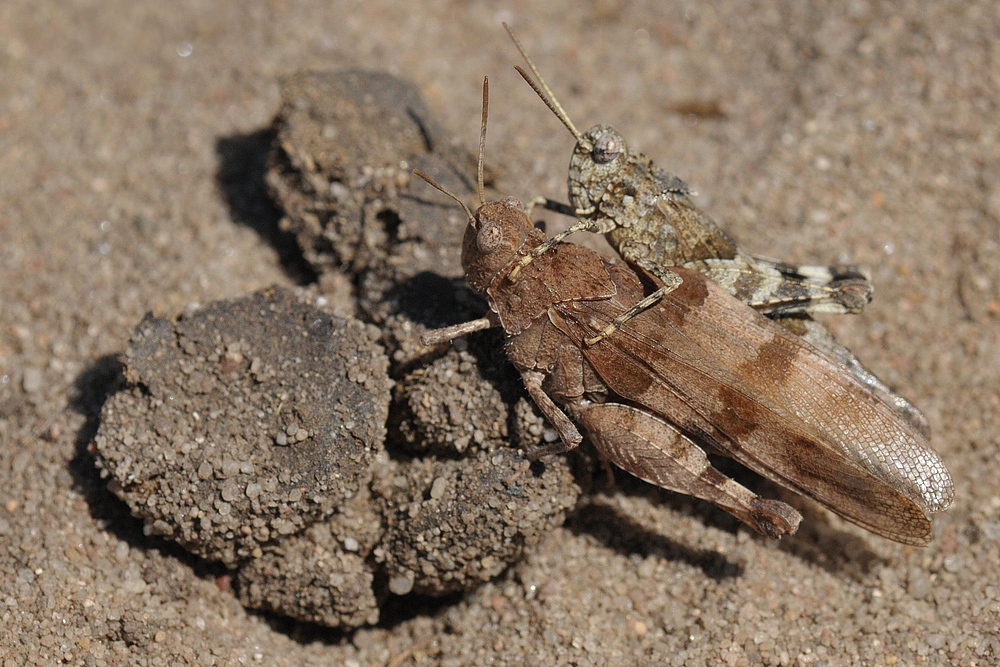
[841, 131]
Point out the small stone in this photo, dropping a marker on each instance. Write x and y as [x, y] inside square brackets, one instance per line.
[230, 468]
[438, 488]
[32, 380]
[401, 584]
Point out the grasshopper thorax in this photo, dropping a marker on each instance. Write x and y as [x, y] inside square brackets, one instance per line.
[600, 154]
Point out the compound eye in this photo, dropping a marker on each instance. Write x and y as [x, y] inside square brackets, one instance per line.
[607, 148]
[490, 237]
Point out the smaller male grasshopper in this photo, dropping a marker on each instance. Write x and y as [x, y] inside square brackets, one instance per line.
[696, 369]
[647, 215]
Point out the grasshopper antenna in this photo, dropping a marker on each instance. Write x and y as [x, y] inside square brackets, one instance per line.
[482, 151]
[482, 134]
[548, 97]
[433, 184]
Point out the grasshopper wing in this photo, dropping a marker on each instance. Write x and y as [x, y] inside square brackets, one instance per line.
[732, 379]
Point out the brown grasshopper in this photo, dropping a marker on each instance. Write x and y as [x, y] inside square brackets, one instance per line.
[647, 215]
[698, 369]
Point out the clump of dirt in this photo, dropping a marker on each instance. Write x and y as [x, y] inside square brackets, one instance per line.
[323, 574]
[453, 405]
[244, 422]
[342, 170]
[451, 525]
[344, 142]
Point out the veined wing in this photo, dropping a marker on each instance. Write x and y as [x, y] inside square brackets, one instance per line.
[732, 378]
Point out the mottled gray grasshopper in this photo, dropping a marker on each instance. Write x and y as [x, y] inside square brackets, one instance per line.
[697, 370]
[647, 215]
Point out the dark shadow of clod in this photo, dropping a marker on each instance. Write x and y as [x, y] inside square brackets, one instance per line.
[241, 182]
[91, 390]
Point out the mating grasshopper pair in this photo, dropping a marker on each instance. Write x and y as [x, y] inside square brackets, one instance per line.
[658, 376]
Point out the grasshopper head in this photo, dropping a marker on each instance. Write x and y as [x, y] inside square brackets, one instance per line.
[495, 234]
[600, 152]
[599, 155]
[496, 231]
